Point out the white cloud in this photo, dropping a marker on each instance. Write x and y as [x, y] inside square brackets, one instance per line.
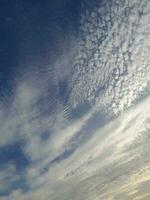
[112, 61]
[115, 160]
[112, 163]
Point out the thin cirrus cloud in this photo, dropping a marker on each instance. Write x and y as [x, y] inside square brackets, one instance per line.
[67, 159]
[112, 163]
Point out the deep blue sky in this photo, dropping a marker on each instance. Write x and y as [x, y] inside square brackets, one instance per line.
[32, 31]
[32, 35]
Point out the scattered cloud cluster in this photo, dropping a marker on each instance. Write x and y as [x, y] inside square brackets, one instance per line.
[111, 66]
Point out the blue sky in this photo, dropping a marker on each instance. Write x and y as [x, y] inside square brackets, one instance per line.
[32, 31]
[74, 100]
[33, 34]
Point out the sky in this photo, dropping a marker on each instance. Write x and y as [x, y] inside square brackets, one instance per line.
[74, 100]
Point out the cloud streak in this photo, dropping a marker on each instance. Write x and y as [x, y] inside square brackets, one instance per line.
[75, 158]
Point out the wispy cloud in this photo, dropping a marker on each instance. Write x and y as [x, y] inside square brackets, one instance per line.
[68, 159]
[112, 163]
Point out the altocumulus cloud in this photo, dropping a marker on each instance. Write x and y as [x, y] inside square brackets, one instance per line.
[63, 158]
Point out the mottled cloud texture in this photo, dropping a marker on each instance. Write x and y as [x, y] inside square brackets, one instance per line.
[76, 158]
[111, 66]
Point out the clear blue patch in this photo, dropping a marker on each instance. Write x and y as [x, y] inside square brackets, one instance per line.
[79, 111]
[63, 156]
[13, 153]
[45, 135]
[19, 184]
